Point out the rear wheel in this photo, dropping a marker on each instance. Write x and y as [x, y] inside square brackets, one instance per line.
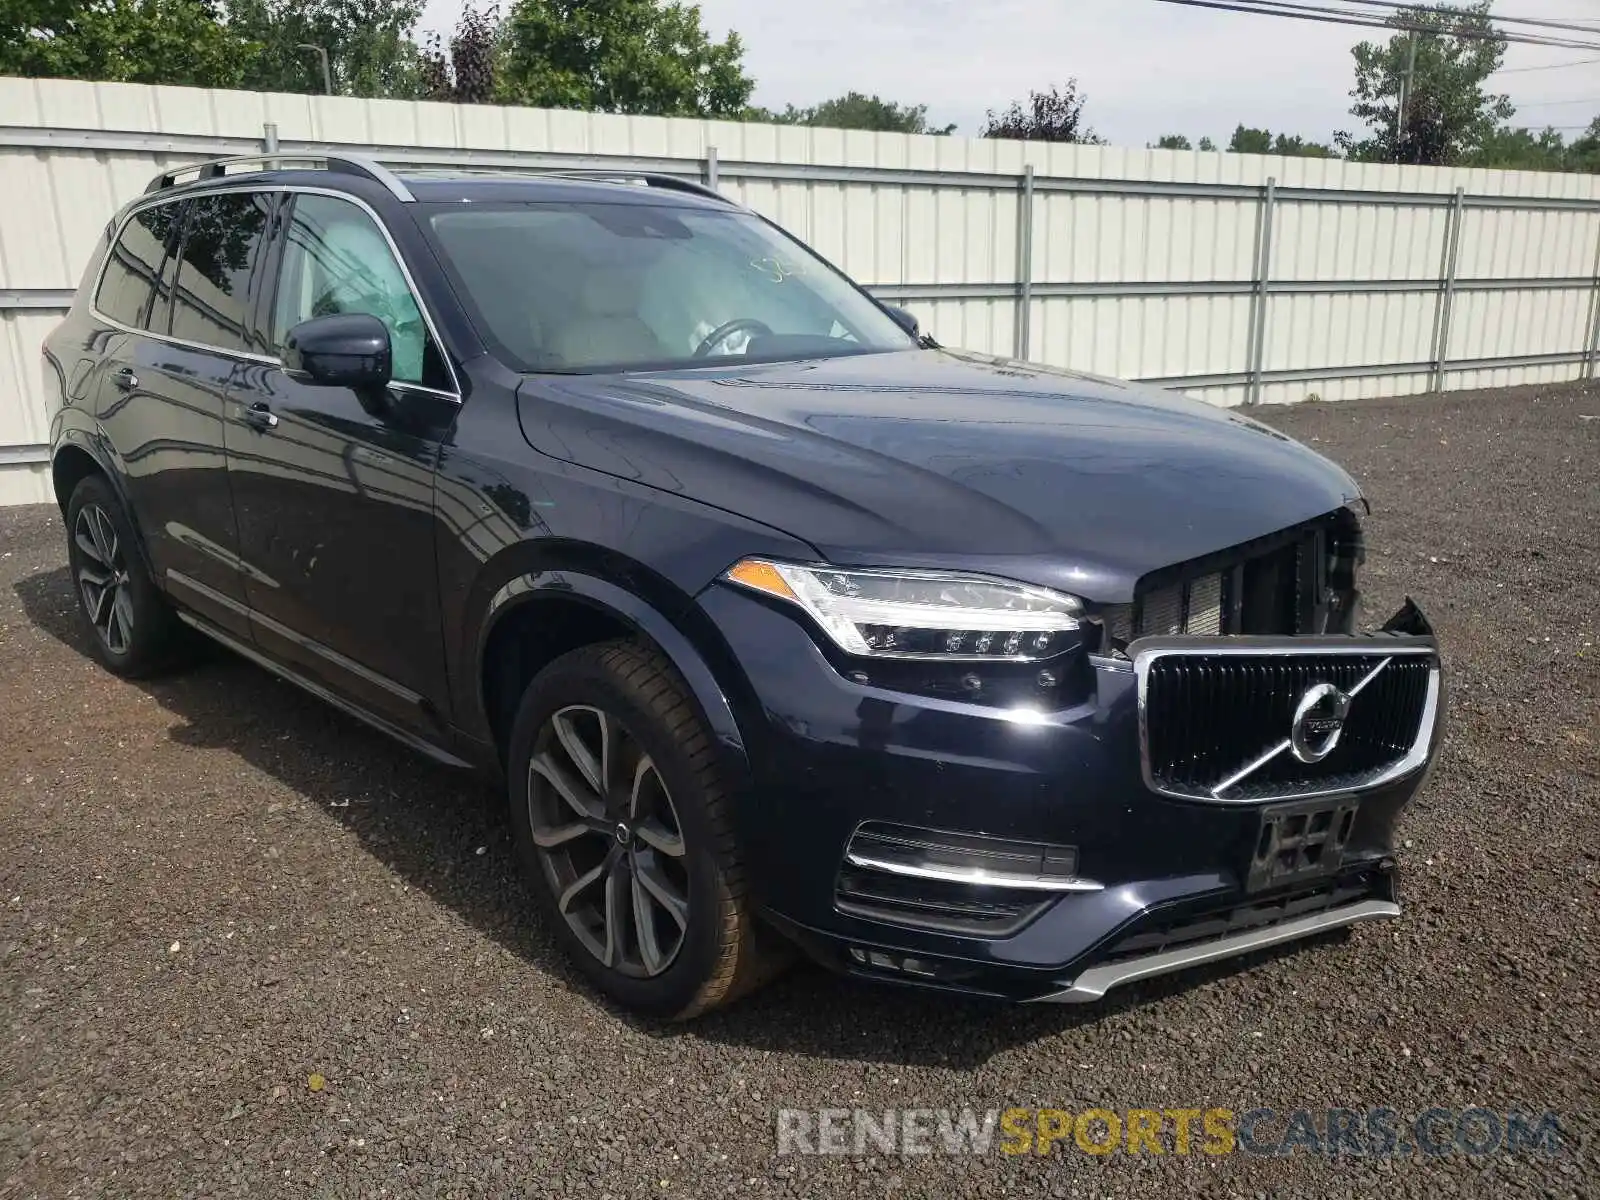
[622, 825]
[132, 629]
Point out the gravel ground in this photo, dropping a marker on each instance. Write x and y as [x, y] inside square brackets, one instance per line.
[248, 947]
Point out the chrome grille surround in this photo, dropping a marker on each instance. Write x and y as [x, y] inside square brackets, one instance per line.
[1413, 754]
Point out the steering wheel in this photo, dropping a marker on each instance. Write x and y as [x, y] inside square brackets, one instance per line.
[726, 330]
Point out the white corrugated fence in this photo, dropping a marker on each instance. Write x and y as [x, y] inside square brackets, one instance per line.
[1241, 278]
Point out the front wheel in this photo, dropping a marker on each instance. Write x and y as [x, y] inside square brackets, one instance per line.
[623, 826]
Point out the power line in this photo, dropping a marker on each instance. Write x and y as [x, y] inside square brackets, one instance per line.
[1338, 16]
[1547, 66]
[1581, 25]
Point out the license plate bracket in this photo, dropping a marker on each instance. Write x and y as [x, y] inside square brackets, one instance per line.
[1299, 840]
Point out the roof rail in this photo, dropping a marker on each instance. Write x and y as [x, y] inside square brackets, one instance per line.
[671, 183]
[344, 164]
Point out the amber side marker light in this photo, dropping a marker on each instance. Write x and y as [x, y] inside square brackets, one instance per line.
[763, 577]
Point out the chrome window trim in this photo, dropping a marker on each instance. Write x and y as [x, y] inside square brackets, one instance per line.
[1146, 651]
[153, 199]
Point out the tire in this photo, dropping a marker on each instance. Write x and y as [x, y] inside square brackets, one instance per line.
[662, 837]
[131, 628]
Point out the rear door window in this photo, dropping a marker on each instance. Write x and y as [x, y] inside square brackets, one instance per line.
[134, 265]
[221, 242]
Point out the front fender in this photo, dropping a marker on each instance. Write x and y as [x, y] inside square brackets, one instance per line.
[641, 617]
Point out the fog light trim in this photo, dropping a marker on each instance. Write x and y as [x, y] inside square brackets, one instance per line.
[969, 859]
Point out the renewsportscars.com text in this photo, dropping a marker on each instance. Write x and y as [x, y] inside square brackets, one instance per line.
[1370, 1132]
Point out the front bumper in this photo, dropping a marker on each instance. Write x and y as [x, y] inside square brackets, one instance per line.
[827, 753]
[1094, 982]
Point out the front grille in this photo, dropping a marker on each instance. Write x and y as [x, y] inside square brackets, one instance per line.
[1208, 716]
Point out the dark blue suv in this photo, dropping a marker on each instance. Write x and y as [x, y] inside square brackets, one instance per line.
[781, 625]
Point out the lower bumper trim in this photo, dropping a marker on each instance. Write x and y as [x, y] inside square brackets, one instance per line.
[1094, 983]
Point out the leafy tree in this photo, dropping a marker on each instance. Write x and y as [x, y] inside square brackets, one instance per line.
[1206, 144]
[368, 43]
[467, 74]
[1584, 153]
[1261, 141]
[1053, 116]
[1520, 150]
[624, 56]
[1448, 113]
[1173, 141]
[131, 41]
[857, 111]
[1543, 150]
[1250, 141]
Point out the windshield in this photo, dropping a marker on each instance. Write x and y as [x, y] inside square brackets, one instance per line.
[599, 287]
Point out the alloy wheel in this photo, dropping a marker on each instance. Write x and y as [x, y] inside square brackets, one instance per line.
[609, 840]
[103, 578]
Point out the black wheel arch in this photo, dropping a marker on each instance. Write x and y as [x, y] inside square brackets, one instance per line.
[77, 453]
[545, 601]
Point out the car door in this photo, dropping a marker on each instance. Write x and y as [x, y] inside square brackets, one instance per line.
[160, 402]
[333, 490]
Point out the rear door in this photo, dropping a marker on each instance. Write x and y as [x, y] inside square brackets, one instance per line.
[160, 405]
[335, 494]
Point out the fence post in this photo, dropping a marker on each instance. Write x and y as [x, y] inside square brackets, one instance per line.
[709, 169]
[1447, 290]
[1024, 261]
[269, 138]
[1258, 315]
[1592, 366]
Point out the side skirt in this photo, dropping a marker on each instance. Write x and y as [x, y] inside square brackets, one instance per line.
[428, 749]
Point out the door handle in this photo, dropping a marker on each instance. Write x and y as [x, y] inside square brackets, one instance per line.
[125, 379]
[260, 416]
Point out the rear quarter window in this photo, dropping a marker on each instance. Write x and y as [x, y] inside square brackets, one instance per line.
[134, 263]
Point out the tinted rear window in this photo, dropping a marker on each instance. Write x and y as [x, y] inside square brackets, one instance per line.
[211, 299]
[134, 264]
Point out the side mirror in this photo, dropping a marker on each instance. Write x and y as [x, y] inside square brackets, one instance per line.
[905, 320]
[344, 350]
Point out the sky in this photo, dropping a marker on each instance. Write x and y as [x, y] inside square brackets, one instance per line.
[1147, 68]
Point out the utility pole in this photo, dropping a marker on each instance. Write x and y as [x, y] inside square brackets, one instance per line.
[1407, 82]
[327, 73]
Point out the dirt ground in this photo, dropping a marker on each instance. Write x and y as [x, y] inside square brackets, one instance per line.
[248, 947]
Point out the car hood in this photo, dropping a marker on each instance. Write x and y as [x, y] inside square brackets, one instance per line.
[933, 458]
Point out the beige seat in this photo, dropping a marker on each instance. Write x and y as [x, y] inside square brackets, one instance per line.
[604, 326]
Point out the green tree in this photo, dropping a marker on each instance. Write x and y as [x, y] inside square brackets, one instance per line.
[1250, 141]
[854, 110]
[1173, 141]
[1262, 141]
[1053, 116]
[368, 43]
[1206, 144]
[624, 56]
[467, 73]
[1519, 150]
[1448, 112]
[1584, 152]
[131, 41]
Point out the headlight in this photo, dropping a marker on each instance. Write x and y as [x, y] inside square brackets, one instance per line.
[920, 614]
